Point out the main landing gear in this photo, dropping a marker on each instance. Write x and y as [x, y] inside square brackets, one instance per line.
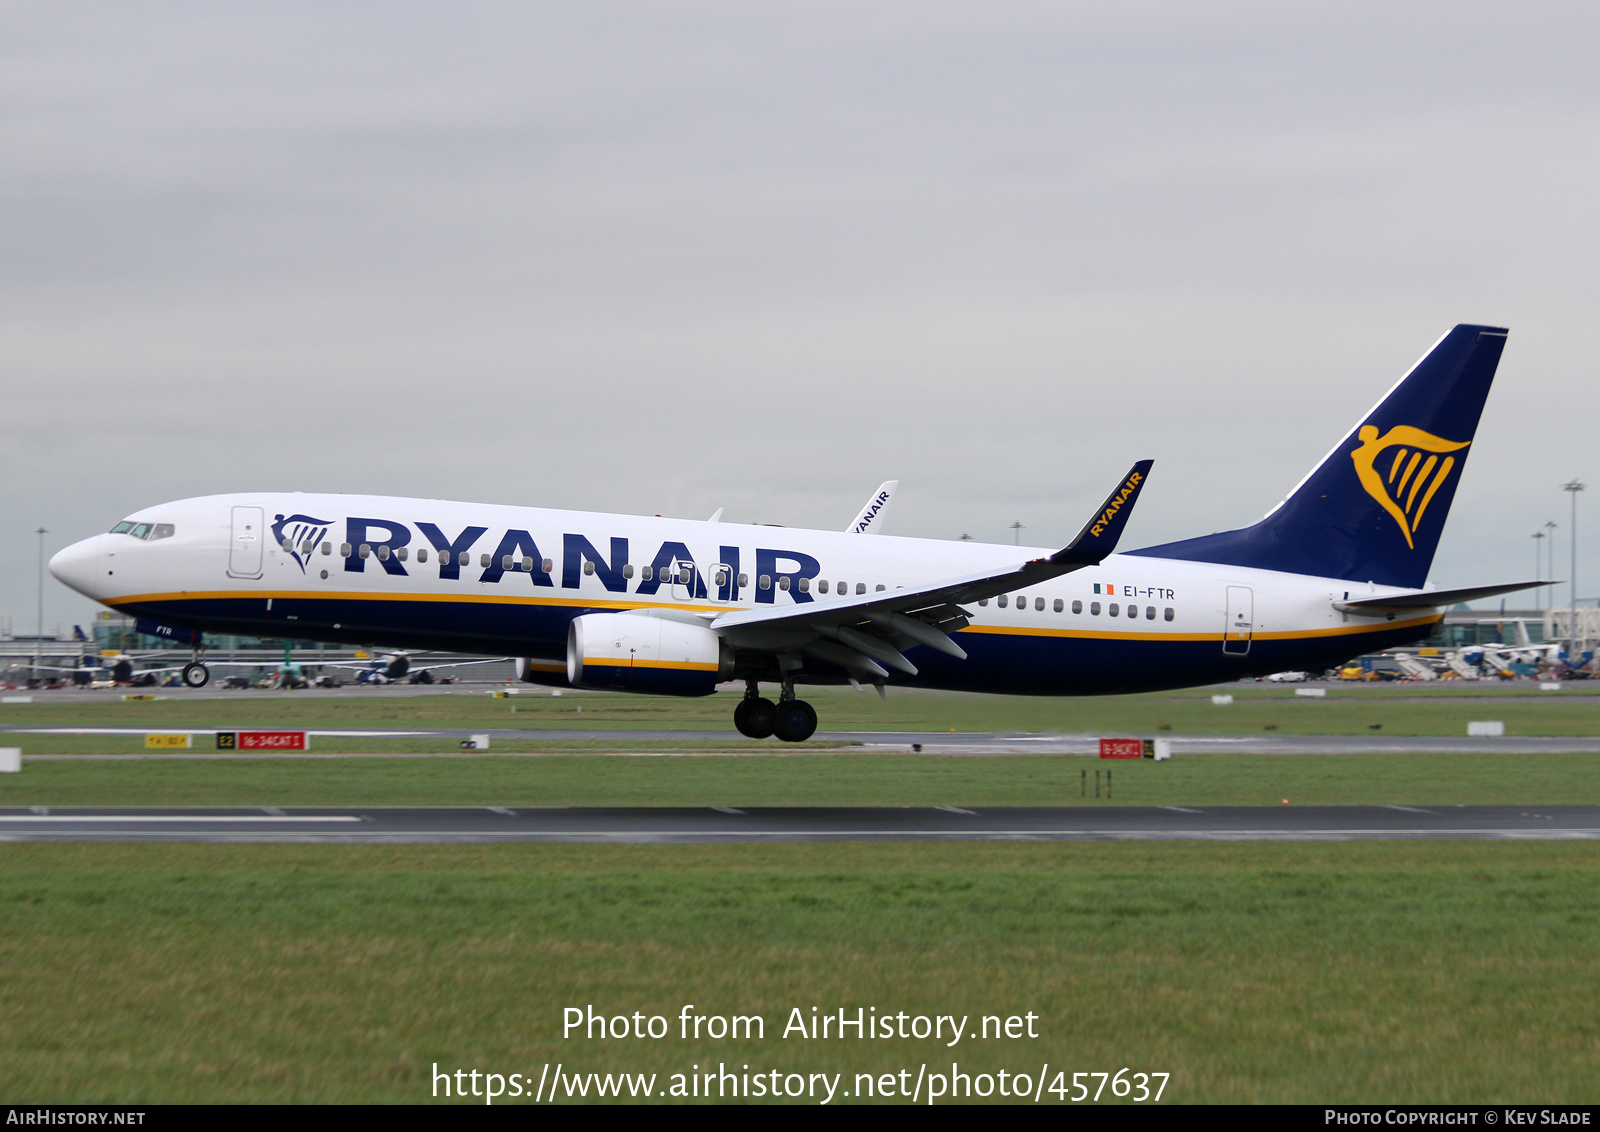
[792, 720]
[195, 674]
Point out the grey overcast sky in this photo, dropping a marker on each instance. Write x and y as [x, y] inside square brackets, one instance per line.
[654, 257]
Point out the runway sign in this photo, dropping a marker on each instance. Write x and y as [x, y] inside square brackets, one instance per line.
[1160, 749]
[166, 742]
[263, 741]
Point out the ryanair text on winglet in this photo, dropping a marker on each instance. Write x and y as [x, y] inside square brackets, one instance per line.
[1110, 512]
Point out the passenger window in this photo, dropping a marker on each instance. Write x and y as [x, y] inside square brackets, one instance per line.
[1060, 605]
[383, 552]
[505, 562]
[1149, 613]
[822, 586]
[401, 554]
[1169, 614]
[1114, 610]
[526, 565]
[122, 528]
[861, 587]
[983, 601]
[720, 578]
[783, 584]
[805, 585]
[627, 571]
[344, 550]
[765, 582]
[588, 568]
[1038, 605]
[163, 530]
[1094, 609]
[1002, 601]
[547, 565]
[327, 549]
[365, 550]
[288, 546]
[422, 554]
[483, 561]
[880, 589]
[744, 579]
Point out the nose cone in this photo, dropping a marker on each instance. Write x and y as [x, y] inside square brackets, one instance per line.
[82, 566]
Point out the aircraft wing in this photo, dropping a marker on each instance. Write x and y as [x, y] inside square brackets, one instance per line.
[857, 633]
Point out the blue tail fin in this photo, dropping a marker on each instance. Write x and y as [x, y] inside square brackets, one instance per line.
[1373, 510]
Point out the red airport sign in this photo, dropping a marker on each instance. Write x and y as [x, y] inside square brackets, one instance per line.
[262, 741]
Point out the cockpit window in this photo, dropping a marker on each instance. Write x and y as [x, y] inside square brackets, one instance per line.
[147, 531]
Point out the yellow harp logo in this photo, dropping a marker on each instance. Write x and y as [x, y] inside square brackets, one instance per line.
[1400, 486]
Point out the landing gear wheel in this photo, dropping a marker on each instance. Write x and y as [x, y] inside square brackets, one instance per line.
[796, 721]
[195, 675]
[755, 717]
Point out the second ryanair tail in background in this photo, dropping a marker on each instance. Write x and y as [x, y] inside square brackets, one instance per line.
[1373, 509]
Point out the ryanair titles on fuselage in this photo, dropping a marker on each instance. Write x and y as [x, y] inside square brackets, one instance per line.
[388, 544]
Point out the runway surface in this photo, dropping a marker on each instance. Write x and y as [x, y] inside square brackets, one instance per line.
[726, 824]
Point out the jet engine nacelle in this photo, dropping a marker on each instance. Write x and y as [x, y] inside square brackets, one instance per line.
[539, 670]
[632, 652]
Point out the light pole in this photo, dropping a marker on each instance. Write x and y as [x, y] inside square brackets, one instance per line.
[1017, 537]
[1538, 565]
[1551, 527]
[1572, 578]
[38, 637]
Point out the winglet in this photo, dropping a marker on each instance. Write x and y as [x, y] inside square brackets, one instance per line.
[1100, 534]
[866, 523]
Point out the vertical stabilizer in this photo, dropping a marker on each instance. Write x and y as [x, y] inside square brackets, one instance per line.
[1373, 509]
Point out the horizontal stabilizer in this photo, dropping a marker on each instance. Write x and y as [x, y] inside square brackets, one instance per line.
[1436, 599]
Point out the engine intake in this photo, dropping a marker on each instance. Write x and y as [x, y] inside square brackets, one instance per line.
[633, 652]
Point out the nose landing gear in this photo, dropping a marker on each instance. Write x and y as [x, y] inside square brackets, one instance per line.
[195, 674]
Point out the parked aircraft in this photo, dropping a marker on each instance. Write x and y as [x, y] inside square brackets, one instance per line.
[672, 606]
[392, 667]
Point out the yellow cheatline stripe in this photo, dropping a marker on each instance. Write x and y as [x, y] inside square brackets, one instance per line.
[680, 666]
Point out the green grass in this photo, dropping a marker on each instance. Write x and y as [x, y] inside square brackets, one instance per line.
[815, 779]
[1406, 710]
[1327, 973]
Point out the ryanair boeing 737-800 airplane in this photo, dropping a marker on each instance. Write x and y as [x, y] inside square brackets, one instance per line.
[671, 606]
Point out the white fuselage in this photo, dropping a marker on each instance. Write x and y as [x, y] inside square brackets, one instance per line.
[423, 573]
